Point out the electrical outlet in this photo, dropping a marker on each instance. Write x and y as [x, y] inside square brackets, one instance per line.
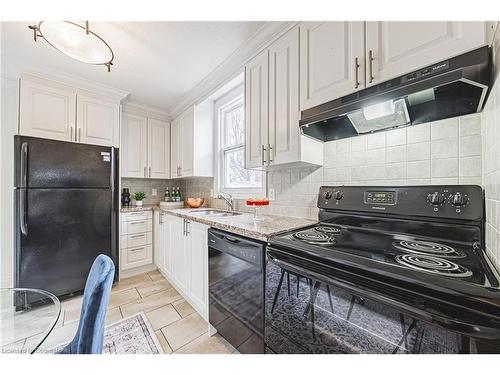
[154, 192]
[272, 195]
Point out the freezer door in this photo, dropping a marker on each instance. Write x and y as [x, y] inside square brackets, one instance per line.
[64, 231]
[44, 163]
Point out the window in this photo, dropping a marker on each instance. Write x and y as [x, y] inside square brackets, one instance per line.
[233, 177]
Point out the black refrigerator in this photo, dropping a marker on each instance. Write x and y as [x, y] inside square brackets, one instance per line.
[66, 212]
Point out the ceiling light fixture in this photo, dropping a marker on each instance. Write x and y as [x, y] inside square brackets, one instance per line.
[75, 41]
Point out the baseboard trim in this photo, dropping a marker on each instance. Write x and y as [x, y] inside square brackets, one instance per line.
[136, 271]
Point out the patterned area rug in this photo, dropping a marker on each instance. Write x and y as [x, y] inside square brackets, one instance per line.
[132, 335]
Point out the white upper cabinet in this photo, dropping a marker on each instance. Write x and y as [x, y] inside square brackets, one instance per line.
[134, 146]
[284, 132]
[256, 110]
[53, 110]
[98, 121]
[175, 148]
[192, 142]
[395, 48]
[145, 145]
[159, 149]
[47, 111]
[272, 133]
[331, 61]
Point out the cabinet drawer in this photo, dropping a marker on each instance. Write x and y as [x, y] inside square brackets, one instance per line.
[136, 256]
[135, 240]
[139, 226]
[139, 215]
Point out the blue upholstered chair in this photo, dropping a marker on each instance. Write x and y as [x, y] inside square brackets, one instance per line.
[90, 334]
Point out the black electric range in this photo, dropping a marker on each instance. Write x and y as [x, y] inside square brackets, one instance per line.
[386, 270]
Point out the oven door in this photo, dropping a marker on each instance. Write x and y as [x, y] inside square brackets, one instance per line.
[308, 312]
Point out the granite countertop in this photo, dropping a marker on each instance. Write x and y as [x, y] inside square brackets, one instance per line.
[242, 224]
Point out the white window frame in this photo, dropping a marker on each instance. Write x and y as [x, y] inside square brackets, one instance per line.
[225, 103]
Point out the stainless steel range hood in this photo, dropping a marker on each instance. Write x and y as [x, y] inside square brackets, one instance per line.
[453, 87]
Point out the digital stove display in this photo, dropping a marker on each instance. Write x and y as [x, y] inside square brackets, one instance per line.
[380, 197]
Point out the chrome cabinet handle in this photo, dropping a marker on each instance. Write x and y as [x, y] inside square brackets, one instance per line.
[144, 171]
[263, 155]
[137, 222]
[188, 225]
[149, 171]
[184, 227]
[356, 63]
[270, 148]
[371, 58]
[71, 133]
[137, 236]
[161, 218]
[79, 134]
[138, 248]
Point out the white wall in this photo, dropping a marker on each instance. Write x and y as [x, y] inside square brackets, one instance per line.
[491, 161]
[8, 126]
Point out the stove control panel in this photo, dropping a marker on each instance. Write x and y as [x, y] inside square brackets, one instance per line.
[441, 201]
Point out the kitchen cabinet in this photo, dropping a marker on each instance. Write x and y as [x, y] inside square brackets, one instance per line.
[136, 239]
[272, 133]
[339, 58]
[181, 254]
[395, 48]
[145, 147]
[98, 121]
[332, 58]
[192, 142]
[56, 111]
[47, 111]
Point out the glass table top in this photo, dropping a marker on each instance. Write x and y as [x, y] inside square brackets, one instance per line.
[27, 317]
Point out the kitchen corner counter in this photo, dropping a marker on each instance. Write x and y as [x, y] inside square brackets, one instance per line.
[242, 224]
[146, 207]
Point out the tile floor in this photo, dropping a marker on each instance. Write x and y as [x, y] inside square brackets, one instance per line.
[178, 327]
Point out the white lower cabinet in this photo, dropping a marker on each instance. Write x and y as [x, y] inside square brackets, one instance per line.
[181, 254]
[136, 239]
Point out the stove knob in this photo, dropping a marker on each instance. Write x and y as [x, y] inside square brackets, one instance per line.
[328, 194]
[338, 195]
[458, 200]
[435, 199]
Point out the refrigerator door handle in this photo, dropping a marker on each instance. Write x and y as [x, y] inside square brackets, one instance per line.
[24, 164]
[23, 196]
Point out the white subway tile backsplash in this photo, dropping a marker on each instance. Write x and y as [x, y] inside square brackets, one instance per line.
[444, 168]
[419, 133]
[418, 169]
[376, 140]
[395, 154]
[470, 166]
[419, 151]
[375, 156]
[358, 143]
[470, 125]
[444, 129]
[470, 145]
[396, 137]
[444, 148]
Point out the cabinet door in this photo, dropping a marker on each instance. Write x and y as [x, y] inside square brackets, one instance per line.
[187, 153]
[134, 146]
[159, 149]
[47, 112]
[198, 286]
[167, 243]
[179, 254]
[175, 148]
[395, 48]
[256, 110]
[158, 245]
[284, 99]
[328, 55]
[98, 121]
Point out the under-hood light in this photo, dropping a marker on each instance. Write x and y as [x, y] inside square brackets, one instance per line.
[379, 110]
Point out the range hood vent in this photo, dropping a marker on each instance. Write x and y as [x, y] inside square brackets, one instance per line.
[454, 87]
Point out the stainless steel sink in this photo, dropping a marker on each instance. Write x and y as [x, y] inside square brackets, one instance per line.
[215, 213]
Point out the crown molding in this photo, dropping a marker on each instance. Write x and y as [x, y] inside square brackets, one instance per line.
[233, 65]
[141, 109]
[78, 83]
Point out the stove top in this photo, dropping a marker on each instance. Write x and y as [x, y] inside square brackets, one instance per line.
[421, 243]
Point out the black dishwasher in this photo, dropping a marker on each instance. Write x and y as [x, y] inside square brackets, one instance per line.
[236, 289]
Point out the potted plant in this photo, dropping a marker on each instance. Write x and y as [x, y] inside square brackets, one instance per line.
[139, 196]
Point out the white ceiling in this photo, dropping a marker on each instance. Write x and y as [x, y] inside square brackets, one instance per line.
[157, 62]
